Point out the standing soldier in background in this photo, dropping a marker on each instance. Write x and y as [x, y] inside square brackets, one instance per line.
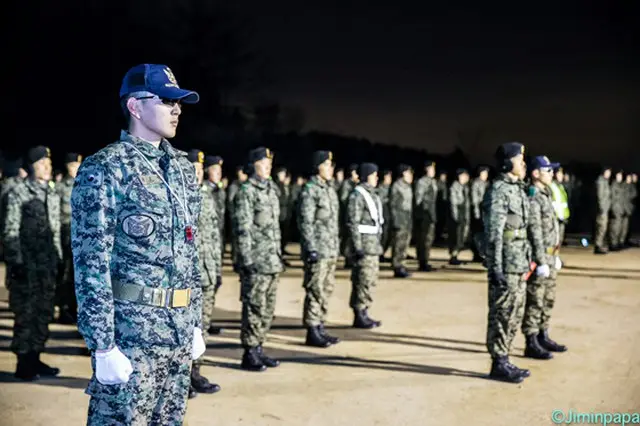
[506, 215]
[401, 207]
[560, 202]
[633, 196]
[210, 259]
[478, 189]
[294, 202]
[426, 196]
[284, 196]
[13, 175]
[134, 207]
[383, 190]
[345, 191]
[65, 292]
[459, 215]
[213, 167]
[33, 254]
[618, 211]
[338, 179]
[257, 228]
[318, 224]
[628, 204]
[603, 193]
[232, 191]
[364, 221]
[442, 205]
[544, 235]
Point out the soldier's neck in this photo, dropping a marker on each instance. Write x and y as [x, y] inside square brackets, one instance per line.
[146, 135]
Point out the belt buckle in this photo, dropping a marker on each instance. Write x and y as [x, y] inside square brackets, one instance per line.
[159, 297]
[181, 298]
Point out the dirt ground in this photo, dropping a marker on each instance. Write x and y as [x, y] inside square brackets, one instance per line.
[427, 364]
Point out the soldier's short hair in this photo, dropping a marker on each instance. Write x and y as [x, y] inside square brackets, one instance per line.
[123, 103]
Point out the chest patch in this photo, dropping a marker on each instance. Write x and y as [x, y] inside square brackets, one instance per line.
[138, 226]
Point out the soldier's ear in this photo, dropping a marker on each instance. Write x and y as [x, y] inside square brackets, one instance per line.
[133, 107]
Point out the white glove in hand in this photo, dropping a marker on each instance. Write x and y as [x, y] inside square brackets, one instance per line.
[558, 263]
[198, 344]
[543, 271]
[112, 368]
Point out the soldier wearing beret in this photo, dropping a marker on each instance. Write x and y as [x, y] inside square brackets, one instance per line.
[478, 189]
[318, 216]
[401, 207]
[345, 191]
[364, 222]
[426, 214]
[213, 169]
[459, 215]
[257, 228]
[506, 212]
[383, 191]
[134, 222]
[603, 201]
[33, 254]
[232, 191]
[618, 211]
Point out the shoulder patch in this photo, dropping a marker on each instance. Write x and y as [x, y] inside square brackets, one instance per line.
[91, 176]
[532, 191]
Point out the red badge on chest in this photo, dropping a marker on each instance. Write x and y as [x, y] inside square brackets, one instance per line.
[188, 232]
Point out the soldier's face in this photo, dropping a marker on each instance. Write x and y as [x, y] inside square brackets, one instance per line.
[545, 175]
[340, 175]
[263, 168]
[215, 173]
[443, 177]
[282, 176]
[242, 176]
[559, 176]
[618, 177]
[42, 169]
[325, 170]
[72, 168]
[387, 179]
[484, 175]
[634, 178]
[372, 179]
[22, 173]
[431, 171]
[607, 174]
[628, 179]
[157, 115]
[519, 166]
[199, 171]
[464, 178]
[567, 178]
[408, 176]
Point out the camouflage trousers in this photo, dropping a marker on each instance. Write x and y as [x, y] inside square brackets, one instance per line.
[65, 290]
[626, 220]
[426, 235]
[506, 309]
[615, 230]
[258, 306]
[364, 277]
[458, 233]
[209, 291]
[319, 281]
[602, 221]
[32, 303]
[401, 241]
[156, 393]
[541, 296]
[345, 242]
[385, 239]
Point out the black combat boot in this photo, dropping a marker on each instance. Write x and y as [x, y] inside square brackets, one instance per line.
[192, 392]
[522, 371]
[334, 340]
[42, 368]
[26, 370]
[251, 360]
[599, 250]
[454, 261]
[534, 350]
[213, 330]
[360, 320]
[269, 362]
[374, 322]
[548, 344]
[425, 268]
[401, 272]
[200, 383]
[316, 339]
[503, 371]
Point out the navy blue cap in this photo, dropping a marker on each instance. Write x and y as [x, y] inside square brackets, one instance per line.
[212, 160]
[509, 150]
[367, 169]
[404, 168]
[542, 161]
[38, 153]
[156, 79]
[196, 156]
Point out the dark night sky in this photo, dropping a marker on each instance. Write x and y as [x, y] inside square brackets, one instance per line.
[561, 79]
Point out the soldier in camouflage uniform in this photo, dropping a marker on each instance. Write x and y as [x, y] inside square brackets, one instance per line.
[345, 191]
[318, 223]
[633, 196]
[257, 228]
[14, 174]
[459, 215]
[337, 180]
[442, 206]
[628, 210]
[284, 196]
[506, 215]
[401, 207]
[618, 212]
[241, 177]
[213, 167]
[135, 206]
[294, 203]
[33, 255]
[544, 235]
[65, 291]
[364, 222]
[478, 189]
[384, 190]
[603, 193]
[426, 196]
[208, 243]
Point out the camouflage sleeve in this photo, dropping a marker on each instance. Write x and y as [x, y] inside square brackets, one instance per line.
[432, 199]
[601, 195]
[217, 250]
[306, 218]
[494, 231]
[244, 225]
[231, 195]
[476, 199]
[456, 198]
[57, 237]
[223, 205]
[355, 209]
[11, 233]
[344, 193]
[420, 193]
[93, 226]
[535, 232]
[395, 203]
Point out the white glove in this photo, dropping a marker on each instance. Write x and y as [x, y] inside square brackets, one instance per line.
[543, 271]
[198, 344]
[558, 263]
[112, 368]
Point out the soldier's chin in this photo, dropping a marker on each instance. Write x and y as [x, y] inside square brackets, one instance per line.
[169, 132]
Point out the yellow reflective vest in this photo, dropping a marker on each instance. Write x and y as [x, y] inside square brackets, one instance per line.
[560, 201]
